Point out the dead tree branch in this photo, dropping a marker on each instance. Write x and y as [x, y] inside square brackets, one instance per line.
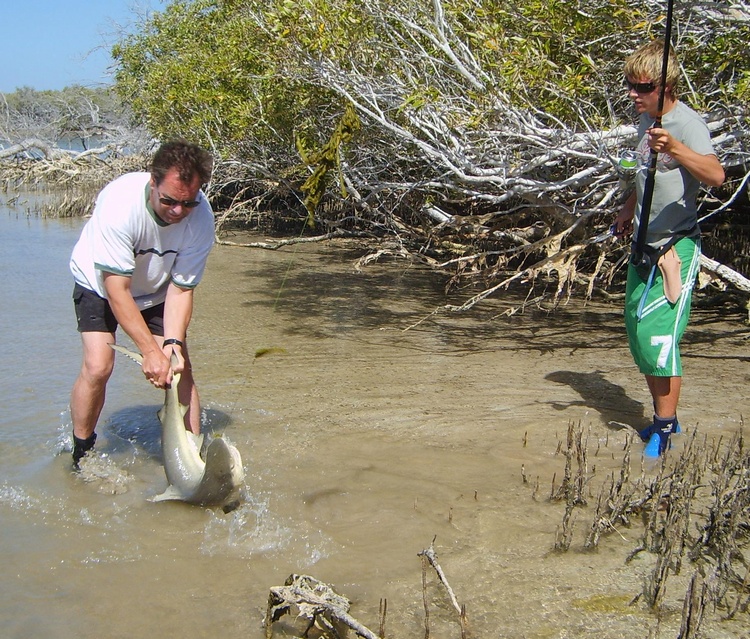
[315, 601]
[431, 556]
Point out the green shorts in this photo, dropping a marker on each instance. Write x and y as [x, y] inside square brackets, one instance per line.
[654, 325]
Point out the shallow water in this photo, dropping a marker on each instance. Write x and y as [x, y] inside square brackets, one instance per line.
[362, 441]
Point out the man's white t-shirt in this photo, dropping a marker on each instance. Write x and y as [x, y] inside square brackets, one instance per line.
[125, 236]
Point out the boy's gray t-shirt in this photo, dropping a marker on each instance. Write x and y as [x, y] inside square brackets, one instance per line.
[673, 207]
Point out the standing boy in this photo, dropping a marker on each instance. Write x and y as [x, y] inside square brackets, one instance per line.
[658, 296]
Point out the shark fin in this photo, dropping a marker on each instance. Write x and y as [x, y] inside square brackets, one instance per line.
[170, 494]
[197, 440]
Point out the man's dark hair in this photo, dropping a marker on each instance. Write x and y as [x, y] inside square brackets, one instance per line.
[188, 159]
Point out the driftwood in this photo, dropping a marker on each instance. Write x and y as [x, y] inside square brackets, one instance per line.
[323, 607]
[694, 607]
[34, 164]
[562, 261]
[33, 147]
[315, 601]
[725, 273]
[272, 246]
[430, 556]
[711, 271]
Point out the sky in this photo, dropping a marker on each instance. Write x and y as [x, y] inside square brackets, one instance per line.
[51, 44]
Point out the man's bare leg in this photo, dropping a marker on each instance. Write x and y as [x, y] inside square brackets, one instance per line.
[89, 389]
[666, 394]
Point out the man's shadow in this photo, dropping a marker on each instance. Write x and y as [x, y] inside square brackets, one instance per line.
[601, 395]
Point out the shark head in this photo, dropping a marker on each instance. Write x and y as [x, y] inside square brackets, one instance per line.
[223, 474]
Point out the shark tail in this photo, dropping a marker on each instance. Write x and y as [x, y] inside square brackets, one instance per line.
[136, 357]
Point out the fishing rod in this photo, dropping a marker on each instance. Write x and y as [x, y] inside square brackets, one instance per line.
[639, 256]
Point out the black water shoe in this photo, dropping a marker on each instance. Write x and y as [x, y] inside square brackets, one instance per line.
[81, 447]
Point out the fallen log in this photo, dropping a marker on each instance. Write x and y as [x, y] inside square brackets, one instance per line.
[26, 147]
[725, 273]
[711, 270]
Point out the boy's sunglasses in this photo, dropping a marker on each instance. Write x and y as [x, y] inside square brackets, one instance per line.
[171, 202]
[641, 88]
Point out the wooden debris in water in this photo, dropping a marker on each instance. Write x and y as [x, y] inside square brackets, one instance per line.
[71, 181]
[573, 486]
[535, 494]
[383, 612]
[430, 556]
[425, 602]
[315, 601]
[694, 607]
[564, 535]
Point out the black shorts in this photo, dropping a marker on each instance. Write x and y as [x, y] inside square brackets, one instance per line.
[94, 314]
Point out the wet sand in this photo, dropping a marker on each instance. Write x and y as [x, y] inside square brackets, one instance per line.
[383, 426]
[369, 428]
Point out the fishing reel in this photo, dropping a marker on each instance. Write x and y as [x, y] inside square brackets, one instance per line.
[642, 259]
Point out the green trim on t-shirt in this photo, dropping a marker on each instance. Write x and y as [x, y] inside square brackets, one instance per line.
[182, 285]
[150, 208]
[109, 269]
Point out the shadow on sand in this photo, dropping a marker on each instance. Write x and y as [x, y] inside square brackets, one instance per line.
[601, 395]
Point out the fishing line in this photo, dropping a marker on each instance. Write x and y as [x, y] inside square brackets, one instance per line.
[288, 268]
[269, 350]
[739, 191]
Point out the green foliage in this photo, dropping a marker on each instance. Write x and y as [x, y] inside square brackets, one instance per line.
[325, 160]
[189, 73]
[241, 74]
[722, 63]
[554, 54]
[223, 72]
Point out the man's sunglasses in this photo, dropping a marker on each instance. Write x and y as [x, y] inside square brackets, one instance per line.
[641, 88]
[171, 202]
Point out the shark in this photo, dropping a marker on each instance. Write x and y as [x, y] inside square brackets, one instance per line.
[210, 479]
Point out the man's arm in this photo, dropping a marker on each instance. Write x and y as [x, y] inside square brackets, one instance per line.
[155, 364]
[624, 220]
[705, 168]
[178, 310]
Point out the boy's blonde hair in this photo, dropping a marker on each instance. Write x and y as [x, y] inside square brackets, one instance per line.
[646, 62]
